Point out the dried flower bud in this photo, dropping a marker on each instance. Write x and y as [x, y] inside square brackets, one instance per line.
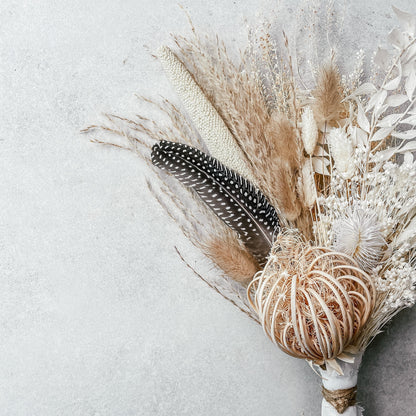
[309, 130]
[342, 152]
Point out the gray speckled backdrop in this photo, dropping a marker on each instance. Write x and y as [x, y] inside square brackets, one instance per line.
[98, 316]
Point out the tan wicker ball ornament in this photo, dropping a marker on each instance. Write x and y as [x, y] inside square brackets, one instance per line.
[312, 301]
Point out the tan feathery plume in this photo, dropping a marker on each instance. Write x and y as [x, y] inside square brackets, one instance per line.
[327, 106]
[230, 255]
[279, 158]
[218, 139]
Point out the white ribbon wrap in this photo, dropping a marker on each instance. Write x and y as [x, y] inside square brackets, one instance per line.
[332, 380]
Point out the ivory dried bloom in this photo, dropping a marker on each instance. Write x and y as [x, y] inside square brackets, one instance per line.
[342, 152]
[309, 130]
[358, 234]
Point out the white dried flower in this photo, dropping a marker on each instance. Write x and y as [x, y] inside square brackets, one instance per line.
[309, 130]
[341, 149]
[307, 184]
[215, 134]
[358, 234]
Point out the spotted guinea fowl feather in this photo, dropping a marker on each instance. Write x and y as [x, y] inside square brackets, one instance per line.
[232, 198]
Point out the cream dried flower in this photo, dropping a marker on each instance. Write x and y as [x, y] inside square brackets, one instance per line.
[307, 187]
[358, 234]
[342, 152]
[309, 130]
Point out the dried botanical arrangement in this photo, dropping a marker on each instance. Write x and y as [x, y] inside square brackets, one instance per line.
[300, 189]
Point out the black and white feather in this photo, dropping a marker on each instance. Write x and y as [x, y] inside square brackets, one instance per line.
[232, 198]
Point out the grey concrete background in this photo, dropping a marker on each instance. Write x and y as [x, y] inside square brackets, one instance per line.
[98, 316]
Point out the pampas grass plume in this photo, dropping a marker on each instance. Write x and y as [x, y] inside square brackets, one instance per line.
[327, 106]
[232, 257]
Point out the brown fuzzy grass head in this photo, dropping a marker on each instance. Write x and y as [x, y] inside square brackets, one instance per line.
[231, 256]
[311, 301]
[328, 95]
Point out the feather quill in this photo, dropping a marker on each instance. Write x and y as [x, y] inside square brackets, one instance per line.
[232, 198]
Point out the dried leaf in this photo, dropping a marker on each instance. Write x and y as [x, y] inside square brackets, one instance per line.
[319, 166]
[382, 58]
[406, 20]
[409, 120]
[377, 100]
[381, 134]
[320, 151]
[408, 147]
[404, 135]
[361, 137]
[362, 119]
[408, 158]
[389, 120]
[396, 100]
[410, 84]
[384, 155]
[365, 89]
[397, 39]
[395, 82]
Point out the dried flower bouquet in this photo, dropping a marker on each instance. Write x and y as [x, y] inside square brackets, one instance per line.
[300, 189]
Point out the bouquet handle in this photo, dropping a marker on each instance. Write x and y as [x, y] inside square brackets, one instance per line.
[339, 390]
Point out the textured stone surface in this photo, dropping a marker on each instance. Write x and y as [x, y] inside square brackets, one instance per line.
[98, 316]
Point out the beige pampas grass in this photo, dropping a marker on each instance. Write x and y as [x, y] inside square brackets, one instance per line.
[311, 301]
[215, 134]
[278, 161]
[327, 106]
[230, 255]
[309, 130]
